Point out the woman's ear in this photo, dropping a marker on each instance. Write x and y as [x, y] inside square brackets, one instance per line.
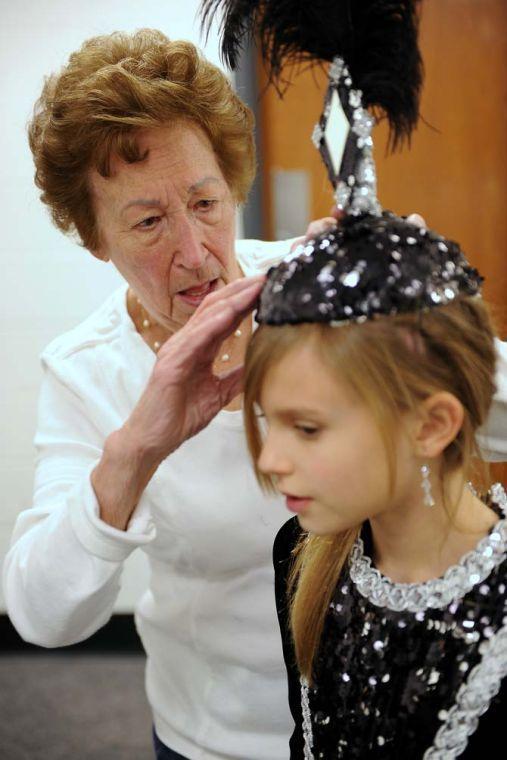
[438, 423]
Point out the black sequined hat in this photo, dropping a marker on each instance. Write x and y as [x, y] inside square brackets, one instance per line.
[375, 263]
[369, 266]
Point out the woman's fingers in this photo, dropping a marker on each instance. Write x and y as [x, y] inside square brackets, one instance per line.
[417, 219]
[198, 341]
[297, 241]
[227, 311]
[228, 291]
[319, 226]
[337, 214]
[226, 315]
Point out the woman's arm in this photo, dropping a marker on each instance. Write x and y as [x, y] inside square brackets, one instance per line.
[62, 572]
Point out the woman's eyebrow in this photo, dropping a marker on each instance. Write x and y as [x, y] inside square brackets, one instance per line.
[197, 185]
[150, 202]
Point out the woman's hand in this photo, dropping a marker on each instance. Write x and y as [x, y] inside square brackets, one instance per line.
[417, 220]
[315, 228]
[183, 393]
[319, 226]
[182, 396]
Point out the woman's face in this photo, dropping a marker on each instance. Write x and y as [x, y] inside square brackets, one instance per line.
[167, 222]
[324, 449]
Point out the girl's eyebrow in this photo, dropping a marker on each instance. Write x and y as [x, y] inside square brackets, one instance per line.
[291, 413]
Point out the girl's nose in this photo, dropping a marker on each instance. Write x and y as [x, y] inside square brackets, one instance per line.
[273, 460]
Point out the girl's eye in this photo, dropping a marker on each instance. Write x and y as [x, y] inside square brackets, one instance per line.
[307, 431]
[149, 223]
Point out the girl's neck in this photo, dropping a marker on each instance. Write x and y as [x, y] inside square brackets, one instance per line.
[415, 543]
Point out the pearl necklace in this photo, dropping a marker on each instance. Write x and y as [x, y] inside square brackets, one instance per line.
[146, 324]
[226, 357]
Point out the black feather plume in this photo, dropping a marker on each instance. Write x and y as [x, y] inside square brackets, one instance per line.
[376, 38]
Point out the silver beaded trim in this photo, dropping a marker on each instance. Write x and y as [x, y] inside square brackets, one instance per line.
[307, 720]
[317, 135]
[457, 581]
[472, 700]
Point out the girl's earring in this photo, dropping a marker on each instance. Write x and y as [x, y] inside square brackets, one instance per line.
[428, 499]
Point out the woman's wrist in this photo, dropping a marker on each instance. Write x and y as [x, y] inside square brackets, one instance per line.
[120, 478]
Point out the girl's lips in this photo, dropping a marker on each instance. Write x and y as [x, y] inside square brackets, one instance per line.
[194, 296]
[296, 503]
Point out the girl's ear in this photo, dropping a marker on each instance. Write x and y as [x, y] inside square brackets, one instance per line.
[439, 421]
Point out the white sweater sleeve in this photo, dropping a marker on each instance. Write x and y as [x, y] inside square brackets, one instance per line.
[492, 438]
[62, 573]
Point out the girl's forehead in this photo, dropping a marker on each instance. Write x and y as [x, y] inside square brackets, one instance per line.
[300, 378]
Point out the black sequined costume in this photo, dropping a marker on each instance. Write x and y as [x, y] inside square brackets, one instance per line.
[405, 671]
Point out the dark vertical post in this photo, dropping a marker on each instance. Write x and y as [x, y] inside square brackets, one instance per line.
[248, 90]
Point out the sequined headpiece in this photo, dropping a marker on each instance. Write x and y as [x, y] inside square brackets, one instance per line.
[376, 263]
[368, 266]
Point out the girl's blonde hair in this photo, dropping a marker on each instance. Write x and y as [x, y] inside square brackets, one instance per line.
[113, 87]
[392, 363]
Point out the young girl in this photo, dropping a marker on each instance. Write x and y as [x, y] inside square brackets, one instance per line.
[374, 369]
[365, 387]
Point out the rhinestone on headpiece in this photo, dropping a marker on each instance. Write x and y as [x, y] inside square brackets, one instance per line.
[367, 267]
[343, 137]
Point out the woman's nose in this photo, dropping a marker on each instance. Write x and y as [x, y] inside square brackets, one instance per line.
[190, 252]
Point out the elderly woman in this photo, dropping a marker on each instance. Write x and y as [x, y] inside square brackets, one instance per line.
[144, 150]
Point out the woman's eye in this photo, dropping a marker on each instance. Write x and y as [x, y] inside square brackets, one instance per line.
[149, 223]
[206, 204]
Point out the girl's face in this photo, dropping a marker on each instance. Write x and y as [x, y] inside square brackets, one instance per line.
[324, 450]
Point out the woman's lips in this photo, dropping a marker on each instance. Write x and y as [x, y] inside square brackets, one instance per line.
[196, 294]
[296, 503]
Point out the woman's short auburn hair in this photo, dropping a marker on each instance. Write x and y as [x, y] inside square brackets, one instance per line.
[113, 87]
